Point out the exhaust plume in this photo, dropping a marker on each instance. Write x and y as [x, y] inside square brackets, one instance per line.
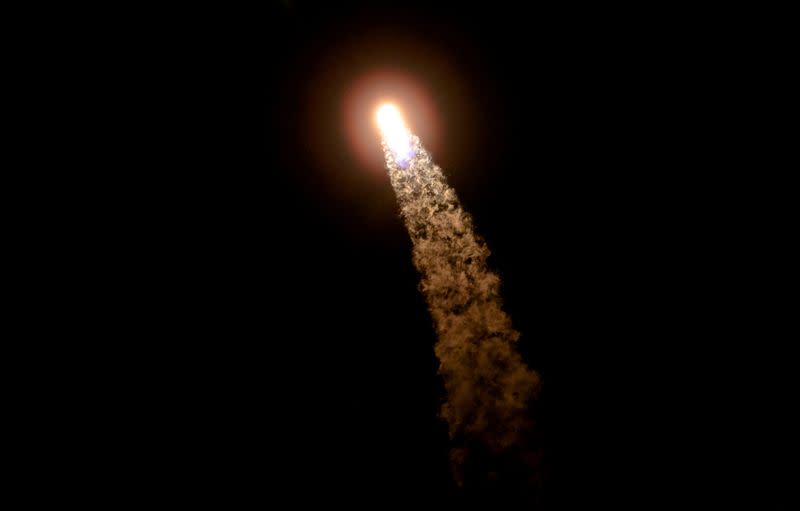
[488, 386]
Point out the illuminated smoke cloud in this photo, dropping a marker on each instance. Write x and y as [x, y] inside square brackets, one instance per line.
[488, 385]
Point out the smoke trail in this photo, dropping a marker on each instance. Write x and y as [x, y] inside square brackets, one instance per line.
[488, 385]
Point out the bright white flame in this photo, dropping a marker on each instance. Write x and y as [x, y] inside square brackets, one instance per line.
[394, 131]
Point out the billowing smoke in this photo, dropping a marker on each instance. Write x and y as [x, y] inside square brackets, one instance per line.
[488, 385]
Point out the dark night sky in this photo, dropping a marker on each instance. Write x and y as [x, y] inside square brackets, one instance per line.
[299, 359]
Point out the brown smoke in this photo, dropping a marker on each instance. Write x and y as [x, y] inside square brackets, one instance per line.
[488, 385]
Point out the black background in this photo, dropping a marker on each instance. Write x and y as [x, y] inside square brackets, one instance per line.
[282, 349]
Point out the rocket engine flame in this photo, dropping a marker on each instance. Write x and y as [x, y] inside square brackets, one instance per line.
[394, 132]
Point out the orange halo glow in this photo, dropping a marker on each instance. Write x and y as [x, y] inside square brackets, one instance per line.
[364, 97]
